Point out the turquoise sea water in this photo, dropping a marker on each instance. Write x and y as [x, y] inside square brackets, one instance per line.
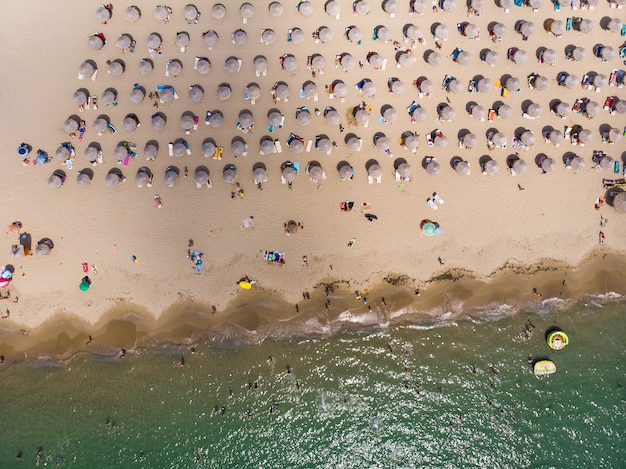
[357, 404]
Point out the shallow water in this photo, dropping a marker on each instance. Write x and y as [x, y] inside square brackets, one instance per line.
[357, 405]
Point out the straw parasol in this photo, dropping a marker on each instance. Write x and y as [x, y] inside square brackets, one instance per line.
[282, 91]
[433, 167]
[86, 69]
[520, 56]
[208, 148]
[361, 116]
[170, 178]
[275, 9]
[390, 7]
[442, 32]
[433, 58]
[361, 7]
[145, 66]
[512, 83]
[79, 97]
[266, 145]
[150, 150]
[619, 202]
[103, 14]
[354, 143]
[563, 109]
[332, 116]
[463, 58]
[323, 144]
[303, 117]
[579, 53]
[95, 43]
[410, 140]
[190, 12]
[420, 6]
[462, 168]
[455, 86]
[375, 171]
[419, 114]
[383, 33]
[571, 82]
[615, 25]
[332, 8]
[182, 39]
[527, 138]
[382, 142]
[130, 123]
[354, 34]
[253, 91]
[260, 174]
[240, 37]
[406, 59]
[471, 31]
[246, 119]
[230, 173]
[469, 140]
[557, 27]
[440, 141]
[556, 137]
[404, 170]
[196, 93]
[549, 56]
[397, 86]
[154, 41]
[615, 135]
[534, 110]
[324, 34]
[137, 95]
[210, 38]
[491, 167]
[484, 85]
[232, 64]
[268, 36]
[132, 13]
[203, 66]
[498, 30]
[600, 80]
[426, 86]
[577, 163]
[158, 121]
[174, 67]
[116, 68]
[585, 26]
[224, 91]
[112, 179]
[246, 10]
[297, 36]
[62, 153]
[447, 113]
[275, 118]
[91, 154]
[124, 41]
[369, 88]
[478, 112]
[187, 121]
[389, 115]
[498, 139]
[260, 64]
[592, 108]
[318, 62]
[519, 166]
[492, 57]
[309, 89]
[296, 145]
[55, 181]
[179, 149]
[607, 162]
[290, 63]
[608, 53]
[218, 11]
[548, 165]
[161, 13]
[585, 136]
[526, 28]
[449, 5]
[346, 172]
[535, 4]
[289, 173]
[201, 177]
[347, 61]
[142, 178]
[100, 125]
[620, 106]
[412, 32]
[82, 179]
[109, 96]
[540, 83]
[305, 8]
[340, 89]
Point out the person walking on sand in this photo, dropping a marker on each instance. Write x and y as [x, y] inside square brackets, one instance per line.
[440, 261]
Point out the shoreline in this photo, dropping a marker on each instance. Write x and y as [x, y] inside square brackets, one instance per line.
[455, 295]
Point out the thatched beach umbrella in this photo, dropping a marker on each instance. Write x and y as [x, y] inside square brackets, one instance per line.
[230, 173]
[383, 33]
[323, 144]
[519, 166]
[382, 142]
[512, 83]
[150, 150]
[282, 91]
[557, 27]
[305, 8]
[154, 41]
[390, 115]
[290, 63]
[161, 13]
[266, 145]
[361, 7]
[246, 10]
[469, 140]
[520, 56]
[563, 109]
[276, 9]
[346, 172]
[361, 115]
[426, 86]
[449, 5]
[130, 123]
[390, 7]
[116, 68]
[347, 61]
[571, 82]
[446, 113]
[289, 173]
[462, 167]
[109, 97]
[540, 83]
[463, 58]
[410, 140]
[498, 30]
[232, 65]
[375, 171]
[210, 38]
[397, 86]
[79, 97]
[187, 121]
[484, 85]
[296, 145]
[260, 174]
[534, 110]
[260, 65]
[174, 67]
[124, 41]
[440, 140]
[492, 57]
[103, 14]
[527, 138]
[420, 6]
[332, 8]
[318, 62]
[433, 58]
[555, 137]
[549, 56]
[404, 170]
[577, 163]
[132, 13]
[142, 178]
[182, 39]
[478, 112]
[332, 116]
[309, 89]
[179, 149]
[471, 31]
[585, 136]
[190, 12]
[455, 86]
[592, 108]
[86, 69]
[600, 80]
[275, 118]
[433, 167]
[526, 28]
[120, 153]
[223, 91]
[246, 119]
[158, 121]
[585, 26]
[419, 114]
[498, 139]
[268, 36]
[619, 202]
[620, 106]
[201, 177]
[100, 125]
[240, 37]
[137, 95]
[615, 135]
[354, 34]
[55, 181]
[354, 143]
[303, 116]
[95, 42]
[442, 32]
[412, 32]
[253, 91]
[324, 34]
[171, 177]
[218, 11]
[607, 53]
[340, 89]
[62, 153]
[297, 36]
[145, 66]
[82, 179]
[208, 148]
[607, 162]
[535, 4]
[112, 179]
[491, 167]
[369, 88]
[196, 93]
[406, 59]
[548, 165]
[615, 25]
[91, 153]
[203, 66]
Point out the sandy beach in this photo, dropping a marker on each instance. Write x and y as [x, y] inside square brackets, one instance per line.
[503, 235]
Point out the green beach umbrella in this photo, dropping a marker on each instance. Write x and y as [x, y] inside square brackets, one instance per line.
[84, 286]
[429, 229]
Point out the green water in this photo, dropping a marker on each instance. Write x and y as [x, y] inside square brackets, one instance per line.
[357, 405]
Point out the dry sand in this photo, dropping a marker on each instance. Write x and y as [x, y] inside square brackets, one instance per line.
[487, 221]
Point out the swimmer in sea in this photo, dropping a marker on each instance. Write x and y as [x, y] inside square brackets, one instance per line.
[297, 385]
[230, 393]
[288, 370]
[269, 360]
[182, 362]
[474, 372]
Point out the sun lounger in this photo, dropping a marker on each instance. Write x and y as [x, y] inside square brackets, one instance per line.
[432, 204]
[492, 114]
[309, 145]
[278, 146]
[170, 148]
